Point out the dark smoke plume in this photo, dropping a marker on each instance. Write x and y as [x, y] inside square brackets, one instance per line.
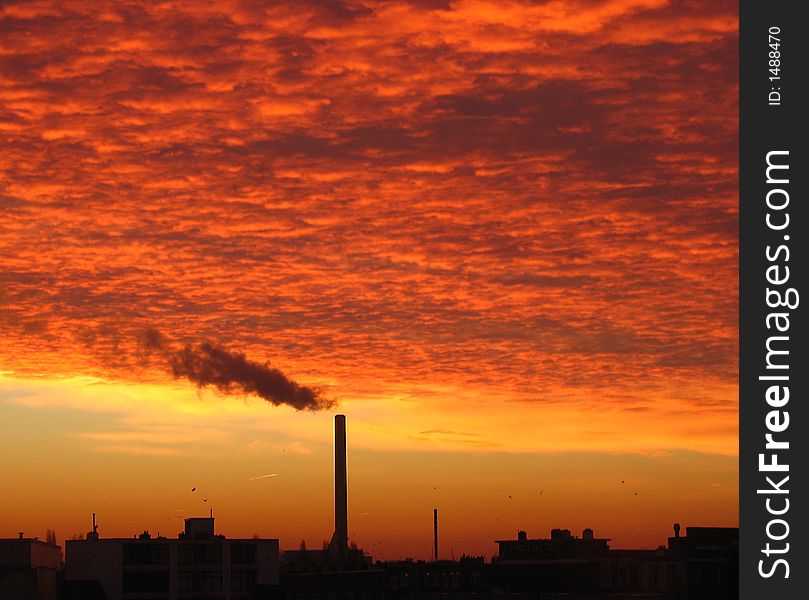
[231, 372]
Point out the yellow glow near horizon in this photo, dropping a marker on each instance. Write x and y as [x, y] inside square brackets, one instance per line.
[134, 452]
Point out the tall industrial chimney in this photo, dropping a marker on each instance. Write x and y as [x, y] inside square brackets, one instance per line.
[340, 484]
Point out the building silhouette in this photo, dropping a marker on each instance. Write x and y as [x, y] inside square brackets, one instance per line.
[28, 569]
[197, 564]
[711, 559]
[701, 565]
[561, 544]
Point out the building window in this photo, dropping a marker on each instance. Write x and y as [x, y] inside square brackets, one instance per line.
[145, 554]
[653, 579]
[142, 582]
[242, 581]
[199, 554]
[243, 554]
[199, 581]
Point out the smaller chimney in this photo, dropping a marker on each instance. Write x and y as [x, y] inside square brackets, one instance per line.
[93, 535]
[676, 530]
[435, 534]
[522, 536]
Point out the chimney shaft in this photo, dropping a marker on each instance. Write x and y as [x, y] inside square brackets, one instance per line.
[340, 484]
[435, 534]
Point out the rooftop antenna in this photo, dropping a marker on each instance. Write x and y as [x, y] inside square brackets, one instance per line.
[93, 535]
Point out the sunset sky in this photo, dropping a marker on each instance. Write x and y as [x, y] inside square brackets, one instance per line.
[501, 235]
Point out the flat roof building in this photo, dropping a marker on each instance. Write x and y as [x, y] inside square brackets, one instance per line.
[561, 544]
[196, 564]
[28, 568]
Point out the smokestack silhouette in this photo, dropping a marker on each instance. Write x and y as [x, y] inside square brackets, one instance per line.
[231, 372]
[435, 534]
[340, 539]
